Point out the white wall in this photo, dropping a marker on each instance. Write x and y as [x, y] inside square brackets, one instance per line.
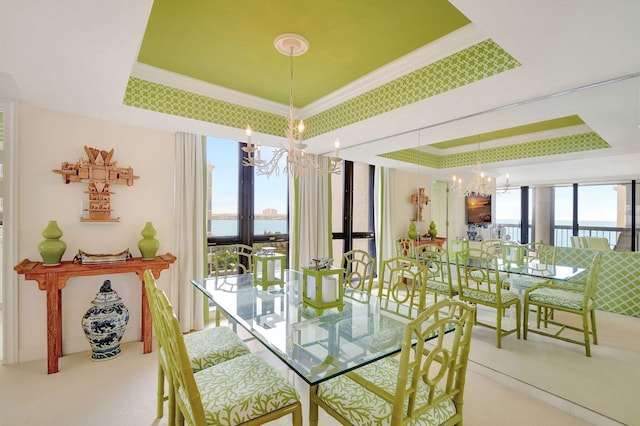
[407, 184]
[46, 140]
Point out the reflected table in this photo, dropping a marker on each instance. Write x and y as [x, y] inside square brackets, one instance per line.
[316, 344]
[522, 277]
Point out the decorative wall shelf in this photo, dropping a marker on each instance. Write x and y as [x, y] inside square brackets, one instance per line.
[99, 171]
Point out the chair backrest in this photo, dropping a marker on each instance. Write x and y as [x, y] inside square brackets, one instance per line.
[513, 254]
[437, 266]
[478, 276]
[230, 260]
[541, 253]
[591, 286]
[598, 243]
[404, 247]
[359, 268]
[440, 364]
[492, 246]
[419, 250]
[178, 362]
[402, 288]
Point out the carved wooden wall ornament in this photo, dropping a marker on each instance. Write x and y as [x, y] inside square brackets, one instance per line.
[99, 171]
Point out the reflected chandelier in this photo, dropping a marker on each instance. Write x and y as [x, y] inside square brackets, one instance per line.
[479, 185]
[299, 162]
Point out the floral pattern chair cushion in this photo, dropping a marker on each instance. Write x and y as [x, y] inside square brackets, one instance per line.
[362, 407]
[213, 346]
[240, 390]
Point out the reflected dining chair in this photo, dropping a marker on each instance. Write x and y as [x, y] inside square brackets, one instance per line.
[404, 247]
[569, 299]
[230, 260]
[401, 286]
[424, 386]
[359, 268]
[479, 283]
[205, 348]
[438, 278]
[244, 390]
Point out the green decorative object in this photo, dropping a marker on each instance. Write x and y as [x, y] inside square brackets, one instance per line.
[52, 248]
[148, 245]
[433, 232]
[413, 232]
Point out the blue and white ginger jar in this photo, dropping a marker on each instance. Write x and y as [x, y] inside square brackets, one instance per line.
[104, 323]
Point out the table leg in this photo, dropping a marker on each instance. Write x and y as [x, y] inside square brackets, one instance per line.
[54, 326]
[146, 323]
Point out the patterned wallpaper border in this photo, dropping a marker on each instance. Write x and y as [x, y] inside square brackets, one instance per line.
[461, 68]
[540, 148]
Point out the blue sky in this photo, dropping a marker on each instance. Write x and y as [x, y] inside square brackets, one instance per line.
[222, 154]
[595, 203]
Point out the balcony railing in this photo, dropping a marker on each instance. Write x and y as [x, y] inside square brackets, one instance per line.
[562, 233]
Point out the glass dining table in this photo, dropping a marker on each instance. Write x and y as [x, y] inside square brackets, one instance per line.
[316, 344]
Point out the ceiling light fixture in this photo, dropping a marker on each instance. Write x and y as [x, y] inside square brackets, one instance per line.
[299, 162]
[479, 185]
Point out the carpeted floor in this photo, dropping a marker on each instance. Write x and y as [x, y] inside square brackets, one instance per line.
[539, 381]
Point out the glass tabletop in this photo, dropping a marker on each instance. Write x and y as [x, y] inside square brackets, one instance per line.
[535, 269]
[317, 344]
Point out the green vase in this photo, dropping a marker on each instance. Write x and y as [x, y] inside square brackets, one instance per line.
[52, 248]
[413, 232]
[148, 245]
[433, 232]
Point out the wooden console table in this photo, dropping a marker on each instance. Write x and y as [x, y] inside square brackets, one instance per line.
[54, 278]
[438, 241]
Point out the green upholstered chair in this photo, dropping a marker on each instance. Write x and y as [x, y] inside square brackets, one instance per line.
[244, 390]
[359, 268]
[401, 286]
[479, 283]
[557, 297]
[205, 348]
[425, 386]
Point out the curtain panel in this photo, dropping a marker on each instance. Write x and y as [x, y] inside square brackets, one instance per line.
[190, 238]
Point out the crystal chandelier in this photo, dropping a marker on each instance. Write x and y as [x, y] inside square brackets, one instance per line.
[299, 162]
[479, 185]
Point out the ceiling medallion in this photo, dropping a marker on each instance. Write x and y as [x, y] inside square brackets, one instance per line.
[298, 162]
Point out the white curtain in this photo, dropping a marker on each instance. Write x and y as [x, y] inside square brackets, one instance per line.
[310, 229]
[190, 239]
[384, 217]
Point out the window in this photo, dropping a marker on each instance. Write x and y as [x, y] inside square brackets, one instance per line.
[243, 208]
[352, 209]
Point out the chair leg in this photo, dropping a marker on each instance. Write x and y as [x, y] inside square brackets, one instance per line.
[518, 313]
[297, 416]
[313, 406]
[585, 327]
[525, 320]
[593, 327]
[499, 329]
[160, 402]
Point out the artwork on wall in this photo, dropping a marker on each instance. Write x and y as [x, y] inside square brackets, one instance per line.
[478, 208]
[100, 172]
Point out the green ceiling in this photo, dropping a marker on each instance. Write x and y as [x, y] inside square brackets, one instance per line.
[540, 126]
[230, 44]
